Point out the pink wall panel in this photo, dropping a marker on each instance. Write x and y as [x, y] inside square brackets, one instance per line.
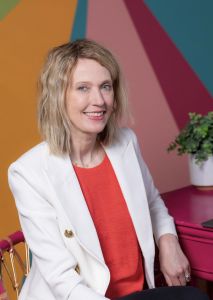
[154, 123]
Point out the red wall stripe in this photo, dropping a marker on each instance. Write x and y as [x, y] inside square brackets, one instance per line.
[183, 89]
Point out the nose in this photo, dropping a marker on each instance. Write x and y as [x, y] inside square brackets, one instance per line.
[97, 97]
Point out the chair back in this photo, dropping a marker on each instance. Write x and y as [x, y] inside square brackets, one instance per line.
[11, 263]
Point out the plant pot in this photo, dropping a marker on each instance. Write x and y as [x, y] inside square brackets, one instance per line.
[201, 175]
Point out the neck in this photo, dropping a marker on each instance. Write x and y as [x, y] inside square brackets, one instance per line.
[86, 151]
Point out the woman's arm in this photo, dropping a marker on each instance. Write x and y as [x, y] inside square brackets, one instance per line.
[162, 222]
[174, 264]
[40, 227]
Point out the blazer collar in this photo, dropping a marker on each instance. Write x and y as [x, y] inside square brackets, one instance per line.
[124, 162]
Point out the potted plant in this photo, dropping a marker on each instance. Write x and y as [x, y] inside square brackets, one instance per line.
[196, 139]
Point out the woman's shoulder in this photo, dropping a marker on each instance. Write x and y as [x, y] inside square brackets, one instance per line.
[125, 134]
[123, 137]
[32, 157]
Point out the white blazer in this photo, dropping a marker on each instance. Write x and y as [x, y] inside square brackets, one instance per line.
[67, 259]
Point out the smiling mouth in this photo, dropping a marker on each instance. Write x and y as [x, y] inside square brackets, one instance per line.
[95, 114]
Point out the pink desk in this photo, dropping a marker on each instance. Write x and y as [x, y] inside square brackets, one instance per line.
[190, 207]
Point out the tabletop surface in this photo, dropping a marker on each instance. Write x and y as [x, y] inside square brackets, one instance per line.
[190, 206]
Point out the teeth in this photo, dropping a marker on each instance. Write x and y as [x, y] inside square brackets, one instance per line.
[96, 114]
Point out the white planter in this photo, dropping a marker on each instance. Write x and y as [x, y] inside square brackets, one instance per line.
[201, 174]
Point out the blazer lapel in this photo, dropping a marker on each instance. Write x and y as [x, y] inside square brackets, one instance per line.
[68, 191]
[127, 170]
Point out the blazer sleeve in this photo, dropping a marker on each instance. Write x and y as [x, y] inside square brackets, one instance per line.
[162, 222]
[39, 224]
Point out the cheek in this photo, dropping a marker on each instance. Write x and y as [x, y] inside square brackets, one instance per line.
[110, 101]
[69, 107]
[74, 103]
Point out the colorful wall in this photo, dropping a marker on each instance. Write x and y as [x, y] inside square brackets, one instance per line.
[165, 49]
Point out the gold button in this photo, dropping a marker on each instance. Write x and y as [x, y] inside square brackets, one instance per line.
[68, 233]
[77, 269]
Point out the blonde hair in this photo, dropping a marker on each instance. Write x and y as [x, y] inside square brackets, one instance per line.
[54, 123]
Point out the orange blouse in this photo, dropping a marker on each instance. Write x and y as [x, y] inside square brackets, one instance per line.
[114, 227]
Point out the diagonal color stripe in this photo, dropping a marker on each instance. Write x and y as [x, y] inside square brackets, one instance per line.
[193, 35]
[6, 6]
[182, 88]
[151, 112]
[80, 22]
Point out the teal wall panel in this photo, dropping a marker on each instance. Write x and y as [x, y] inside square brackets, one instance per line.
[190, 26]
[80, 22]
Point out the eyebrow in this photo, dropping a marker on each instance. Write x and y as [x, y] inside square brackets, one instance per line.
[103, 82]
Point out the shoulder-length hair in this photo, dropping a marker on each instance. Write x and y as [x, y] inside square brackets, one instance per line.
[53, 120]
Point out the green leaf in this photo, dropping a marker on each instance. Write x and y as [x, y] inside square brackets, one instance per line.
[196, 137]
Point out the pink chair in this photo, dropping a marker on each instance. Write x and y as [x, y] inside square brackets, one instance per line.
[10, 259]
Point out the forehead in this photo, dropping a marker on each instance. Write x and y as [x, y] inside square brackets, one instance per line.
[89, 70]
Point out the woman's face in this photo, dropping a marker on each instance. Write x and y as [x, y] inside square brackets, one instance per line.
[89, 98]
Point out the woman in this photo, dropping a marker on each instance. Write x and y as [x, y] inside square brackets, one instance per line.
[87, 204]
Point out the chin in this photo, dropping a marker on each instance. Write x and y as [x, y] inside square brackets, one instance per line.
[96, 130]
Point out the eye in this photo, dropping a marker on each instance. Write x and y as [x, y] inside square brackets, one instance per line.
[107, 87]
[83, 88]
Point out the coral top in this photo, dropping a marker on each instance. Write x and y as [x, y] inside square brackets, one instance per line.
[114, 227]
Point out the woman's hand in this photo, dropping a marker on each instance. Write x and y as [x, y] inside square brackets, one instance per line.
[173, 263]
